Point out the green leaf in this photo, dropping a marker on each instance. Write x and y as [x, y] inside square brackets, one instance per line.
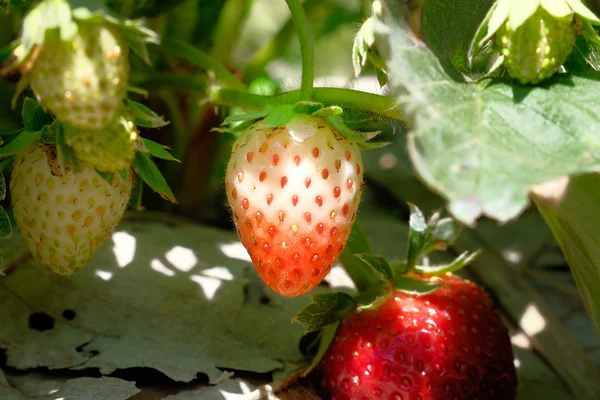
[150, 173]
[362, 43]
[208, 307]
[574, 223]
[34, 117]
[379, 264]
[459, 263]
[5, 225]
[483, 145]
[18, 144]
[279, 116]
[144, 116]
[158, 150]
[325, 309]
[449, 27]
[326, 337]
[415, 287]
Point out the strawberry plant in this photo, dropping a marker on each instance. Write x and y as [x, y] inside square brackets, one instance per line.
[318, 199]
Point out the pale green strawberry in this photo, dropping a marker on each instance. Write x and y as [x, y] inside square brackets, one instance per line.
[109, 150]
[538, 47]
[82, 81]
[64, 216]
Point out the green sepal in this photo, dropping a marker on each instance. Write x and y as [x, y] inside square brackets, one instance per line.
[149, 172]
[307, 108]
[414, 287]
[107, 176]
[236, 129]
[457, 264]
[279, 116]
[134, 32]
[252, 116]
[326, 337]
[353, 136]
[417, 237]
[376, 296]
[5, 225]
[325, 309]
[143, 116]
[378, 264]
[48, 133]
[34, 116]
[19, 143]
[373, 145]
[328, 111]
[65, 154]
[47, 15]
[138, 90]
[157, 150]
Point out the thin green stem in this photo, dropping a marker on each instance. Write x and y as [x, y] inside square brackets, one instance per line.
[199, 58]
[277, 45]
[306, 48]
[362, 101]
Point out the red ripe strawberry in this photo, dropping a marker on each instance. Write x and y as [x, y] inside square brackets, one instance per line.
[294, 192]
[450, 344]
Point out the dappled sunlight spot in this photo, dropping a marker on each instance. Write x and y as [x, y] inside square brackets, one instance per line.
[105, 275]
[247, 393]
[219, 273]
[124, 248]
[182, 258]
[521, 340]
[158, 266]
[532, 321]
[209, 285]
[339, 278]
[235, 250]
[388, 161]
[517, 362]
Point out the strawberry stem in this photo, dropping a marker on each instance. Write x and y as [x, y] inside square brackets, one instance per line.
[346, 98]
[306, 48]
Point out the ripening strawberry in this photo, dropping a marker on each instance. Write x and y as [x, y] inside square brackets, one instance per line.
[294, 192]
[109, 150]
[82, 81]
[64, 216]
[450, 344]
[537, 48]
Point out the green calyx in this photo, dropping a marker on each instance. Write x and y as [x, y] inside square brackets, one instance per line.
[289, 114]
[64, 16]
[108, 150]
[534, 37]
